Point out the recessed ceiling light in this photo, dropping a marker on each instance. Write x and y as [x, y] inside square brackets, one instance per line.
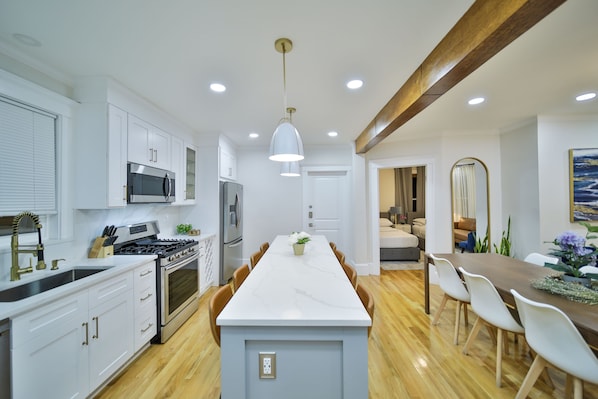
[218, 87]
[332, 134]
[26, 40]
[585, 96]
[355, 84]
[253, 135]
[476, 101]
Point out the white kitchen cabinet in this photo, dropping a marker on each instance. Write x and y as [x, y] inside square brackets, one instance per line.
[110, 327]
[147, 144]
[144, 281]
[190, 173]
[72, 345]
[101, 157]
[49, 357]
[228, 164]
[206, 264]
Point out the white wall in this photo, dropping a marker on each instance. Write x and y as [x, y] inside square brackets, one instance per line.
[273, 203]
[556, 135]
[519, 166]
[387, 189]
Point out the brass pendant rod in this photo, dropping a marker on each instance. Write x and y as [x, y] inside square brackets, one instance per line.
[284, 76]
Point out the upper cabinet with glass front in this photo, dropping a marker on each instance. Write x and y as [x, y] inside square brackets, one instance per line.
[190, 172]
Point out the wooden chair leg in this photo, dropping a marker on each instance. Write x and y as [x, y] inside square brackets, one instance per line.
[440, 309]
[534, 372]
[465, 314]
[457, 322]
[577, 388]
[499, 349]
[473, 334]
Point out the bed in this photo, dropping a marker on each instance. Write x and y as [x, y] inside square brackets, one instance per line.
[417, 220]
[397, 244]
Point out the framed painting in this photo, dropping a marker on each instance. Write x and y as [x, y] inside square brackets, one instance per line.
[583, 184]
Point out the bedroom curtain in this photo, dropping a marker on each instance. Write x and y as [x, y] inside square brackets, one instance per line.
[420, 194]
[403, 189]
[464, 191]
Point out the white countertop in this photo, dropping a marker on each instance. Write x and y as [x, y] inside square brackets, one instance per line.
[116, 264]
[288, 290]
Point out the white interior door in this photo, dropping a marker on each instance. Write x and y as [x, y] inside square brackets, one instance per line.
[325, 204]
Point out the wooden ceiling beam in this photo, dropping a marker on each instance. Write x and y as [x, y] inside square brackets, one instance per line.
[484, 30]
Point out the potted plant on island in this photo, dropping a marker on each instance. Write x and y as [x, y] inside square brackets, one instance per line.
[573, 253]
[298, 241]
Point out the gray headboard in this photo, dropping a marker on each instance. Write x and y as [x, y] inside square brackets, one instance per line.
[414, 215]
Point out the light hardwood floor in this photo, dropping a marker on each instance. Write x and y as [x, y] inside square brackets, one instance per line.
[408, 357]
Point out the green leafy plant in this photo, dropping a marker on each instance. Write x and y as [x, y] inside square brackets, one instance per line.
[183, 228]
[505, 241]
[481, 245]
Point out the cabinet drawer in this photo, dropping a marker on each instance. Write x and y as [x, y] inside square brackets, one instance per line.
[145, 326]
[48, 317]
[109, 289]
[144, 278]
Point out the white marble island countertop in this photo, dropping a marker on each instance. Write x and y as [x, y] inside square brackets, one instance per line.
[288, 290]
[114, 265]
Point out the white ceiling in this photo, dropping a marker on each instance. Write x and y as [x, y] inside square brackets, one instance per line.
[169, 52]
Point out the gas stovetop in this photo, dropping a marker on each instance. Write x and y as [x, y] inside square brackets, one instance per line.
[142, 239]
[155, 246]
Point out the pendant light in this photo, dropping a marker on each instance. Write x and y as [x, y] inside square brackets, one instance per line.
[290, 169]
[286, 144]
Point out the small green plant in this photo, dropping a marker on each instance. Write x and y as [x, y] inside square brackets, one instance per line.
[183, 228]
[505, 241]
[481, 245]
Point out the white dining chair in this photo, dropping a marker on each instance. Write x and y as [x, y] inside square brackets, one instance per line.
[487, 303]
[557, 342]
[589, 269]
[454, 289]
[540, 259]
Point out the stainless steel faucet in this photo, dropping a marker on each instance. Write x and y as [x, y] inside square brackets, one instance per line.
[35, 250]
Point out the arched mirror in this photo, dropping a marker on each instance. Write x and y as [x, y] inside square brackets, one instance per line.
[470, 204]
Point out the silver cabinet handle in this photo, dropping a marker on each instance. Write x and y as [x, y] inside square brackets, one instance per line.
[151, 151]
[147, 328]
[145, 273]
[86, 342]
[148, 296]
[97, 334]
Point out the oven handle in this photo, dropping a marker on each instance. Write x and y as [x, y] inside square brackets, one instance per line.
[182, 262]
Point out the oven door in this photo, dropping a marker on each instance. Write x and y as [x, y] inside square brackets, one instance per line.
[180, 286]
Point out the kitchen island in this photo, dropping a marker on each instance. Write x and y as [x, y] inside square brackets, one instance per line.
[305, 310]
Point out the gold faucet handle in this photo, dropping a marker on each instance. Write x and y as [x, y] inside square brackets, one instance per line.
[55, 263]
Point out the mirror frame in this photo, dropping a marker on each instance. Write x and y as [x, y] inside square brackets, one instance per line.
[487, 200]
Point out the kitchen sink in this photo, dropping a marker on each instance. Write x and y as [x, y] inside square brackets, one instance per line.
[38, 286]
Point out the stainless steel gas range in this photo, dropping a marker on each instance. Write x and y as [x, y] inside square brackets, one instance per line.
[177, 284]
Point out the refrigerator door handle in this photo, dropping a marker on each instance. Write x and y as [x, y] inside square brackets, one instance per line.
[235, 244]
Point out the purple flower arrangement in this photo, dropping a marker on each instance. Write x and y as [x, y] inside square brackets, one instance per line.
[573, 253]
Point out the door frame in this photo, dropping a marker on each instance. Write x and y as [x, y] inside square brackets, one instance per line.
[346, 205]
[374, 187]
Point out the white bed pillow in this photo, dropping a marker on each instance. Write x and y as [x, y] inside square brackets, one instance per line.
[419, 221]
[385, 222]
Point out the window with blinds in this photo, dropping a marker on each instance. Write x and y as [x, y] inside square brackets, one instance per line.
[27, 159]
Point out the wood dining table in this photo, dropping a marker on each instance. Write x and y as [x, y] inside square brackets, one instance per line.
[508, 273]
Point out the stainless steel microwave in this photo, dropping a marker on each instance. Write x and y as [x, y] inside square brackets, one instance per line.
[146, 184]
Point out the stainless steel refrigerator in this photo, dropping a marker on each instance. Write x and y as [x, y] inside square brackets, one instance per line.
[231, 229]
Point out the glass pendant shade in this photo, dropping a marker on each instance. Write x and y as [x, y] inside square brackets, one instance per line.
[286, 144]
[290, 169]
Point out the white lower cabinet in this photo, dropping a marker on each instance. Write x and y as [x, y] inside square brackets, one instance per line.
[144, 281]
[68, 348]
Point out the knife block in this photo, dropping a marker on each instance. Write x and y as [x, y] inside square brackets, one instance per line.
[98, 250]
